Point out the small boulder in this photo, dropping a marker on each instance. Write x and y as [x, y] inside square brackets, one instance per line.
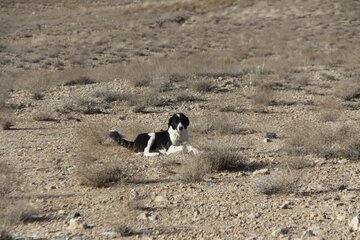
[355, 223]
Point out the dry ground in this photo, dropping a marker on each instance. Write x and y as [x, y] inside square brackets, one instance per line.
[268, 85]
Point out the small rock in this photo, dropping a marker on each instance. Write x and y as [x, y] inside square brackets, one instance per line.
[285, 205]
[61, 212]
[307, 234]
[266, 140]
[263, 171]
[254, 215]
[270, 135]
[109, 234]
[355, 223]
[159, 199]
[76, 224]
[73, 214]
[280, 231]
[147, 216]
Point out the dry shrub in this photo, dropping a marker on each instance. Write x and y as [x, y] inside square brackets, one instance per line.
[4, 235]
[220, 125]
[84, 106]
[98, 175]
[93, 169]
[298, 162]
[38, 95]
[17, 211]
[328, 141]
[83, 80]
[182, 5]
[142, 82]
[194, 170]
[44, 117]
[263, 96]
[330, 110]
[224, 159]
[188, 98]
[202, 86]
[110, 96]
[215, 160]
[277, 183]
[348, 90]
[6, 116]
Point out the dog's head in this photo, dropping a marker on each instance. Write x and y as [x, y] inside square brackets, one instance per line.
[179, 122]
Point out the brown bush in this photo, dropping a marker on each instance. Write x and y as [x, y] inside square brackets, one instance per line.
[330, 110]
[277, 183]
[348, 90]
[93, 167]
[83, 80]
[325, 141]
[264, 95]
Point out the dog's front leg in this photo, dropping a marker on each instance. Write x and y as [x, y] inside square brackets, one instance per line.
[175, 149]
[191, 149]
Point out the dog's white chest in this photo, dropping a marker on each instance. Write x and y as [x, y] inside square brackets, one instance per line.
[176, 138]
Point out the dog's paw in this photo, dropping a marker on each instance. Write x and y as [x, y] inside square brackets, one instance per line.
[151, 154]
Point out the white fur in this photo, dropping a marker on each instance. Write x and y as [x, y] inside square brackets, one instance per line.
[147, 152]
[178, 137]
[182, 148]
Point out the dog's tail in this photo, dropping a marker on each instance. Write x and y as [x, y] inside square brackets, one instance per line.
[117, 137]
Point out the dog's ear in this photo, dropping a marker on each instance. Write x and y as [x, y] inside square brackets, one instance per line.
[186, 120]
[170, 121]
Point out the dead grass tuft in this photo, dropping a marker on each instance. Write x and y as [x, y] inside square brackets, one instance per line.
[278, 183]
[327, 141]
[220, 125]
[202, 86]
[94, 169]
[330, 110]
[194, 170]
[298, 162]
[44, 117]
[83, 80]
[348, 90]
[98, 175]
[110, 96]
[84, 106]
[4, 235]
[263, 96]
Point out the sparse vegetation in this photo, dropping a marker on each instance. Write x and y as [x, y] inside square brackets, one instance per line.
[84, 80]
[93, 170]
[202, 86]
[82, 106]
[330, 110]
[110, 96]
[348, 90]
[44, 117]
[263, 96]
[276, 183]
[223, 63]
[325, 141]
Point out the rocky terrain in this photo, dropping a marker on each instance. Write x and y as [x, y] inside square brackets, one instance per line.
[272, 90]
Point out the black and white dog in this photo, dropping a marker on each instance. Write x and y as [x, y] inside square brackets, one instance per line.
[174, 140]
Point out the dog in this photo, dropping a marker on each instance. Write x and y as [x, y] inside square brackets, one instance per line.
[173, 140]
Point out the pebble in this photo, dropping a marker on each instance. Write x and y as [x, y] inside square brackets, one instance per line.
[285, 205]
[109, 234]
[307, 234]
[266, 140]
[159, 199]
[263, 171]
[355, 223]
[280, 231]
[147, 216]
